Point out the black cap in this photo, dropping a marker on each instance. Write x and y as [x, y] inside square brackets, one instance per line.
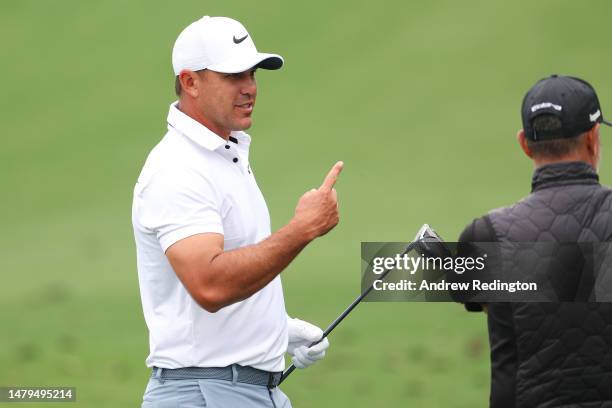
[572, 100]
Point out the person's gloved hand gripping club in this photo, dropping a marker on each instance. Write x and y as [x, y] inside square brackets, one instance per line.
[301, 335]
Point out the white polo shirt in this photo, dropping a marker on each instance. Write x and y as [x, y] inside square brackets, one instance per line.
[195, 182]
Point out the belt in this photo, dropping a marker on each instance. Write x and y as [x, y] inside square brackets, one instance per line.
[235, 373]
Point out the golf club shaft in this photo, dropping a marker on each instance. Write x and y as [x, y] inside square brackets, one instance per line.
[348, 310]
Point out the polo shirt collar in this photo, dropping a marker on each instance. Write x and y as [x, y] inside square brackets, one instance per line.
[199, 133]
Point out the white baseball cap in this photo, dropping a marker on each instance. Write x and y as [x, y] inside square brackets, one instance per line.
[219, 44]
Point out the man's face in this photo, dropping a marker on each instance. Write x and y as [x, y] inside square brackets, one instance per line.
[226, 101]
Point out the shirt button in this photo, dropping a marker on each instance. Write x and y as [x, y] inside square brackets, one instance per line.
[227, 146]
[235, 160]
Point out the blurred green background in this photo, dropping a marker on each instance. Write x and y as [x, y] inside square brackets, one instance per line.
[420, 99]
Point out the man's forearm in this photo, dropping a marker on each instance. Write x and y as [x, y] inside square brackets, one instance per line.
[235, 275]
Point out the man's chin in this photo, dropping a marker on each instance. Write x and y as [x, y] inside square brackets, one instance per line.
[243, 124]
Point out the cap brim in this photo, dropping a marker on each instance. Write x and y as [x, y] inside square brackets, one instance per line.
[605, 122]
[241, 64]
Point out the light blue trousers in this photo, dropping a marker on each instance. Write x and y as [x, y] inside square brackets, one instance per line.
[207, 393]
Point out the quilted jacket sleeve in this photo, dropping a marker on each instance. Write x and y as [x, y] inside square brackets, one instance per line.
[479, 230]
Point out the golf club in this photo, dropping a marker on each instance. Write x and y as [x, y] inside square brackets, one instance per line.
[427, 242]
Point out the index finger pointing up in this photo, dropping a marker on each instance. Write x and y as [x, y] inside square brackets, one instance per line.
[331, 177]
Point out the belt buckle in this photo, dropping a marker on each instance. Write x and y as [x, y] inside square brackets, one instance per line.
[272, 380]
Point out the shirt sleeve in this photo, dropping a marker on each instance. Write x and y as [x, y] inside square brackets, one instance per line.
[177, 204]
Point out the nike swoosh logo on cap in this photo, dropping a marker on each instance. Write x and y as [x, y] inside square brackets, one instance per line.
[593, 117]
[239, 40]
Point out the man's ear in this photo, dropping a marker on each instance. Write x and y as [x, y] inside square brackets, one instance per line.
[592, 140]
[593, 146]
[522, 139]
[190, 82]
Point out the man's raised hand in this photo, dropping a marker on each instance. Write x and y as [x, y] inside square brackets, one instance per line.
[317, 210]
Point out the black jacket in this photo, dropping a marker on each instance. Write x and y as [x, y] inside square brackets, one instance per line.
[551, 354]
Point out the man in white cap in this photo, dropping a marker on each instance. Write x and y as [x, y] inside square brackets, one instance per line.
[208, 264]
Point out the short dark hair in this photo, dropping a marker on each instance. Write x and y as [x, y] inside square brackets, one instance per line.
[178, 88]
[552, 148]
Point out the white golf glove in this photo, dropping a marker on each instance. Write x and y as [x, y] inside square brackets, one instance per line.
[301, 335]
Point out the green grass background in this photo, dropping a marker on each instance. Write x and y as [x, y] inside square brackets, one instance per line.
[420, 99]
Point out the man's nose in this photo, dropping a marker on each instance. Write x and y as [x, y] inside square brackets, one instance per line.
[249, 86]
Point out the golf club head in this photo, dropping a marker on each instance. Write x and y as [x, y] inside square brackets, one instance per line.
[430, 243]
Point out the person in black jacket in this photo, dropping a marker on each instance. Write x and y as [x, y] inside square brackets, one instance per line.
[553, 354]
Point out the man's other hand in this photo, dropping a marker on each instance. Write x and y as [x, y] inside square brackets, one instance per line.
[301, 335]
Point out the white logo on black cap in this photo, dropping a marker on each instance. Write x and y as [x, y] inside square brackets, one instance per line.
[593, 117]
[545, 105]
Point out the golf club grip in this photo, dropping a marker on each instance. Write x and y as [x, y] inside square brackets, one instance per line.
[336, 322]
